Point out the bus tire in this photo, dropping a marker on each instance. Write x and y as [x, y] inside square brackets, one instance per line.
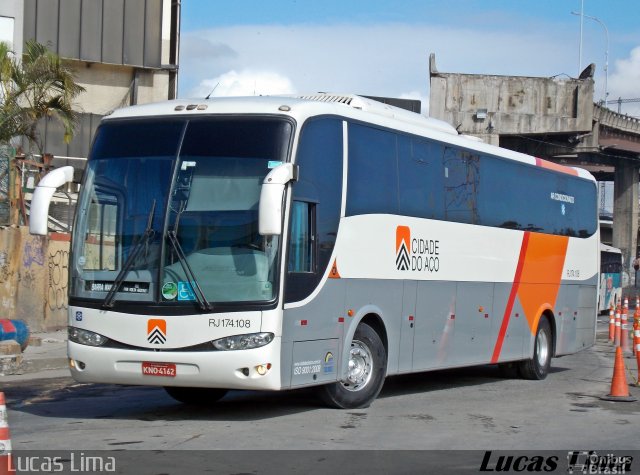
[537, 367]
[367, 371]
[195, 396]
[509, 370]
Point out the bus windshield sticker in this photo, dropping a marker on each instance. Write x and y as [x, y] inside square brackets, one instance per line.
[126, 287]
[185, 292]
[274, 163]
[170, 290]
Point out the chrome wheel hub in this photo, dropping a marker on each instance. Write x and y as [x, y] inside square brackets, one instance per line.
[542, 348]
[360, 367]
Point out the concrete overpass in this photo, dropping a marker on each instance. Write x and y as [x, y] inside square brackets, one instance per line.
[553, 118]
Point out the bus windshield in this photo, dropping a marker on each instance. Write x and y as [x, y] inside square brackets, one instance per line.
[168, 212]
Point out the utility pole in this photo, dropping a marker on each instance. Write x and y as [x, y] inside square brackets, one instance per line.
[606, 52]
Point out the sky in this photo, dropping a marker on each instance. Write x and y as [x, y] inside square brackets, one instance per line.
[382, 47]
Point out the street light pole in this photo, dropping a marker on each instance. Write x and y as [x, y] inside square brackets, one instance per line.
[606, 53]
[581, 24]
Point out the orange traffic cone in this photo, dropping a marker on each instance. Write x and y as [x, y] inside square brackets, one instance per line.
[624, 331]
[636, 335]
[619, 386]
[637, 343]
[6, 464]
[616, 335]
[636, 328]
[612, 323]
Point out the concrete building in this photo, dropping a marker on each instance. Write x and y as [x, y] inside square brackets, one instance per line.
[496, 107]
[555, 119]
[123, 52]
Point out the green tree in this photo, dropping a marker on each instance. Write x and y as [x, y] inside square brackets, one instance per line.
[39, 86]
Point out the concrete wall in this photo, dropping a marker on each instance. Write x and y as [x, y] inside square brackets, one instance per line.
[109, 86]
[625, 211]
[488, 106]
[33, 278]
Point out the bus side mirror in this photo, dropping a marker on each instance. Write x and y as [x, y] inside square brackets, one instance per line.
[271, 198]
[39, 213]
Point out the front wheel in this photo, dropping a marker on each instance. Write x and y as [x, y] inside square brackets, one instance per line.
[195, 396]
[366, 372]
[538, 366]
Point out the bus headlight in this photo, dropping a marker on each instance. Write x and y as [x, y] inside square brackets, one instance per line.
[243, 342]
[85, 337]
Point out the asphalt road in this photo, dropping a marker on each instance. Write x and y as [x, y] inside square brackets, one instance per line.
[464, 409]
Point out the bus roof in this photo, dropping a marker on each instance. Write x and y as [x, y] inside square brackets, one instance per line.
[607, 248]
[301, 107]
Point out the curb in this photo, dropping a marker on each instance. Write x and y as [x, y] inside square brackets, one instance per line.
[10, 364]
[43, 364]
[44, 353]
[14, 365]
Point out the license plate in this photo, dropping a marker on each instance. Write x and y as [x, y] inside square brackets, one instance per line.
[158, 369]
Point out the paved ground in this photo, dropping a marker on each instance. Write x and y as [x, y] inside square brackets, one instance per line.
[469, 410]
[472, 408]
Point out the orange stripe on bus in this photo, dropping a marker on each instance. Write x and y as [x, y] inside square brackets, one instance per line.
[554, 166]
[541, 275]
[536, 281]
[512, 297]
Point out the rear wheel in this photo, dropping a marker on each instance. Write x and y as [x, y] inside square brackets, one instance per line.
[366, 372]
[538, 366]
[509, 370]
[195, 396]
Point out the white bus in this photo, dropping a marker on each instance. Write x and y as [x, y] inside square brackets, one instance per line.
[611, 277]
[269, 243]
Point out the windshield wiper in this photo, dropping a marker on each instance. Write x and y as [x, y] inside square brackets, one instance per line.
[191, 278]
[142, 241]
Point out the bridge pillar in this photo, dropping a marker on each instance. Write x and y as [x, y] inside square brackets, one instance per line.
[625, 211]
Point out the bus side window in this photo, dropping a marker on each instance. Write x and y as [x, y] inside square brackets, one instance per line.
[302, 240]
[462, 180]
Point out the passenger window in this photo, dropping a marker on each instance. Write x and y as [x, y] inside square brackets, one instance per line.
[301, 244]
[462, 179]
[372, 186]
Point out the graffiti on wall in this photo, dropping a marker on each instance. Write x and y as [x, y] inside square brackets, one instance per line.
[32, 262]
[58, 278]
[28, 279]
[33, 253]
[5, 266]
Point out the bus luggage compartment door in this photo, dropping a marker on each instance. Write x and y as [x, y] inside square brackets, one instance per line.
[314, 361]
